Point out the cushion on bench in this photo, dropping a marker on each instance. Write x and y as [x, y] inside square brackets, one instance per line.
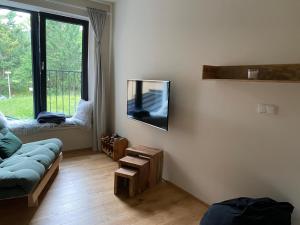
[20, 173]
[9, 144]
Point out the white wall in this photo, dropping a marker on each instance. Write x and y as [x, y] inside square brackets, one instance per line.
[73, 138]
[217, 147]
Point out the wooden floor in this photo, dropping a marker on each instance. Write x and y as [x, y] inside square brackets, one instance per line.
[82, 194]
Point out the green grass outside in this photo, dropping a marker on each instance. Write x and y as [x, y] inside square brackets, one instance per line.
[21, 107]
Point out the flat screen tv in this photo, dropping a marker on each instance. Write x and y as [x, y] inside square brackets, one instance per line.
[148, 102]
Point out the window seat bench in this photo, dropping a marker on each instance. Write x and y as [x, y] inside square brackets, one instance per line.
[30, 127]
[76, 132]
[73, 133]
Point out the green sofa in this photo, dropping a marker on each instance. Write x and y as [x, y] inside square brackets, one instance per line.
[27, 171]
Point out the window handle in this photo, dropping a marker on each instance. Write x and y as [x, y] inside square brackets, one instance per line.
[43, 65]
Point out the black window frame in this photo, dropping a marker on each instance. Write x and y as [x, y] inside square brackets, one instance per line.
[38, 48]
[43, 41]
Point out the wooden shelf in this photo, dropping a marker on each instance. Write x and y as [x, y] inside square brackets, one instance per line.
[287, 73]
[253, 81]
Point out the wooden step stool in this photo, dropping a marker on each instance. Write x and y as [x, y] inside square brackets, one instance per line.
[132, 178]
[155, 157]
[141, 165]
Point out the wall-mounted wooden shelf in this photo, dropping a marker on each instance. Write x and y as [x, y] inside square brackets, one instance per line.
[267, 73]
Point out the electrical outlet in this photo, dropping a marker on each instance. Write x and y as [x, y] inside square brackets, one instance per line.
[271, 109]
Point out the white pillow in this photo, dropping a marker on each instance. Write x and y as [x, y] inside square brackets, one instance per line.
[84, 113]
[3, 121]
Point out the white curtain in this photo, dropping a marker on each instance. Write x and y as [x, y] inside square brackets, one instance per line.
[99, 20]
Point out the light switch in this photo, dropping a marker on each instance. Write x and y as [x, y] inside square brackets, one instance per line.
[267, 108]
[271, 109]
[261, 108]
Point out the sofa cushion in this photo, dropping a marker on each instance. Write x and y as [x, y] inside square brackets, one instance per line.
[3, 121]
[23, 170]
[1, 136]
[3, 131]
[19, 171]
[9, 144]
[84, 113]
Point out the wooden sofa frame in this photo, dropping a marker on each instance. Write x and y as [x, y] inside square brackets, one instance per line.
[36, 192]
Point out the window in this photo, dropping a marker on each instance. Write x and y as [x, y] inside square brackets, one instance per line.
[16, 86]
[43, 63]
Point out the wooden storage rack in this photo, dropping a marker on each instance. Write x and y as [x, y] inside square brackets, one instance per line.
[114, 147]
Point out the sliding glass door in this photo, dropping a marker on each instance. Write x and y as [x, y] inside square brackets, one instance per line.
[43, 63]
[63, 62]
[16, 77]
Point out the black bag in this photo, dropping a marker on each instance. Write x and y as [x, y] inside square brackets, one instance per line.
[249, 211]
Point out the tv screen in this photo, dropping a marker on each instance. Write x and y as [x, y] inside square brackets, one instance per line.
[148, 102]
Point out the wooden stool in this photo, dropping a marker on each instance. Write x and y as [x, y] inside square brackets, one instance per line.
[132, 178]
[155, 157]
[142, 165]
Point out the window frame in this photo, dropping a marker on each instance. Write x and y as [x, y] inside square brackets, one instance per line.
[43, 54]
[38, 48]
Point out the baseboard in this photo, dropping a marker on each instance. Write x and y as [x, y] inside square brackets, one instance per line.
[203, 202]
[78, 149]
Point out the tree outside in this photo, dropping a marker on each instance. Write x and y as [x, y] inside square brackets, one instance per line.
[64, 56]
